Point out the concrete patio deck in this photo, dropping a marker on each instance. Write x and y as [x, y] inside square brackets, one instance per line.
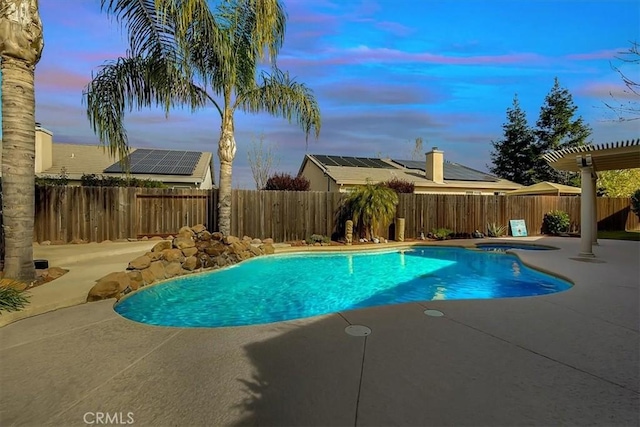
[570, 358]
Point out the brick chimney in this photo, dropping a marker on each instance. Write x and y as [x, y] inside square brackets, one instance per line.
[435, 166]
[44, 149]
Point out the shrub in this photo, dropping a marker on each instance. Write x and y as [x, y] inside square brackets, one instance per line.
[369, 206]
[635, 202]
[441, 233]
[317, 238]
[48, 181]
[286, 182]
[556, 222]
[495, 230]
[11, 299]
[400, 185]
[92, 180]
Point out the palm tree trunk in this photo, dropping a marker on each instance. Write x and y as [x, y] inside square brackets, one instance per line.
[18, 152]
[21, 44]
[226, 153]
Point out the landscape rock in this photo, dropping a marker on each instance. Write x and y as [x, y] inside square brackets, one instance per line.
[256, 241]
[139, 263]
[147, 276]
[161, 246]
[145, 238]
[157, 269]
[198, 228]
[190, 263]
[110, 286]
[173, 269]
[204, 236]
[173, 255]
[78, 241]
[268, 241]
[188, 252]
[136, 280]
[227, 240]
[156, 238]
[46, 243]
[53, 273]
[106, 241]
[255, 251]
[183, 242]
[154, 256]
[215, 249]
[217, 235]
[267, 249]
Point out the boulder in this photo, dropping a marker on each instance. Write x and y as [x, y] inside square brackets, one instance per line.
[243, 255]
[78, 241]
[156, 238]
[173, 269]
[256, 241]
[190, 263]
[139, 263]
[255, 251]
[109, 286]
[154, 256]
[267, 249]
[268, 241]
[45, 242]
[147, 276]
[217, 235]
[198, 228]
[157, 269]
[204, 236]
[236, 248]
[186, 231]
[104, 241]
[161, 246]
[173, 255]
[189, 251]
[184, 242]
[227, 240]
[215, 249]
[104, 290]
[144, 238]
[202, 245]
[136, 280]
[53, 273]
[246, 238]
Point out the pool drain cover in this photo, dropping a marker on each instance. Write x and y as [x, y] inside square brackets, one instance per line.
[357, 331]
[434, 313]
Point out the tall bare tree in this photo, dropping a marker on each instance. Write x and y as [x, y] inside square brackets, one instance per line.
[629, 109]
[262, 161]
[21, 44]
[418, 149]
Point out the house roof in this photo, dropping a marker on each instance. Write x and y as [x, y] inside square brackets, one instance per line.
[545, 188]
[607, 156]
[455, 175]
[78, 160]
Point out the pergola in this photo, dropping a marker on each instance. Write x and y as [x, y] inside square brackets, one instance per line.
[588, 160]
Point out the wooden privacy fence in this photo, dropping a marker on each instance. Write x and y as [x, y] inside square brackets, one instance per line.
[110, 213]
[101, 213]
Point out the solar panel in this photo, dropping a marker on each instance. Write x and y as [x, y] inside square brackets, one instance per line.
[159, 162]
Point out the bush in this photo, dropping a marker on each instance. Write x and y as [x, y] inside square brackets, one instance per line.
[556, 222]
[400, 185]
[93, 180]
[12, 299]
[495, 230]
[317, 238]
[441, 233]
[635, 202]
[286, 182]
[49, 181]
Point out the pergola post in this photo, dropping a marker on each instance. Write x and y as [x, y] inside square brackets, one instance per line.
[594, 235]
[586, 206]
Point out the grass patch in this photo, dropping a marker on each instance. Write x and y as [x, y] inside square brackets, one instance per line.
[620, 235]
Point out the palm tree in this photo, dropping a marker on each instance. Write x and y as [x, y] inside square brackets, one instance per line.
[371, 206]
[210, 58]
[21, 44]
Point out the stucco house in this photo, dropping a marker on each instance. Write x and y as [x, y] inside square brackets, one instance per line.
[175, 168]
[432, 176]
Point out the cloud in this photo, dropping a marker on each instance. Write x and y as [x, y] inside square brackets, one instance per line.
[607, 90]
[601, 54]
[357, 92]
[55, 78]
[395, 28]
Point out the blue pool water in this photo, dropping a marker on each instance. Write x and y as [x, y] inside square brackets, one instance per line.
[507, 246]
[276, 288]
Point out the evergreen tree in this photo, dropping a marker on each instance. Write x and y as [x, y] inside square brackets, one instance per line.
[556, 128]
[512, 157]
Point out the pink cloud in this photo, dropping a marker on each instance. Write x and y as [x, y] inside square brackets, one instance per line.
[395, 28]
[606, 90]
[601, 54]
[59, 79]
[364, 54]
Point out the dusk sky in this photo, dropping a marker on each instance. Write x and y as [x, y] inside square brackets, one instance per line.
[384, 72]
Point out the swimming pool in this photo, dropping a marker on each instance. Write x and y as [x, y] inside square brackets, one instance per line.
[506, 246]
[285, 287]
